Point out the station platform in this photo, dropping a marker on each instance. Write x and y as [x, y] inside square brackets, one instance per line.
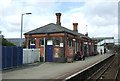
[51, 70]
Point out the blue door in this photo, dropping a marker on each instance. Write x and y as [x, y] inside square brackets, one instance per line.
[49, 53]
[0, 57]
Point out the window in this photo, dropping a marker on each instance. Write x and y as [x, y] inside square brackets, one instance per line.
[41, 42]
[57, 42]
[76, 46]
[87, 47]
[70, 43]
[32, 41]
[81, 45]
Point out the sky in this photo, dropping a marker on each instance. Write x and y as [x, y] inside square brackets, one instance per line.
[100, 16]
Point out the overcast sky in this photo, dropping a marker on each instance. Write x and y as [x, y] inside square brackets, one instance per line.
[100, 17]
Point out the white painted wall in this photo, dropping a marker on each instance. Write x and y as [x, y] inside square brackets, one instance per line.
[31, 55]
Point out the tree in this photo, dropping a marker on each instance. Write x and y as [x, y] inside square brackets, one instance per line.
[24, 45]
[6, 43]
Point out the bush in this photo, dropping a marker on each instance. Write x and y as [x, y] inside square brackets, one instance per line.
[6, 43]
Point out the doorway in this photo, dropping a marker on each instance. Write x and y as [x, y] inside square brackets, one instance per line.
[49, 50]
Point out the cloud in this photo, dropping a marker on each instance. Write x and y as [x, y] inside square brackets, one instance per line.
[101, 13]
[100, 16]
[71, 17]
[10, 17]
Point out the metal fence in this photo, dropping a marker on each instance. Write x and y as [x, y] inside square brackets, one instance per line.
[11, 56]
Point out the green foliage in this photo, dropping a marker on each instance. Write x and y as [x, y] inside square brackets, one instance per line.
[24, 45]
[6, 43]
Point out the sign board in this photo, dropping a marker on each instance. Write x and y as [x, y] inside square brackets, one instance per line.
[61, 44]
[56, 54]
[49, 42]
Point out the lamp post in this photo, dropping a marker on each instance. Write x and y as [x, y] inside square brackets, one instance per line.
[22, 26]
[86, 29]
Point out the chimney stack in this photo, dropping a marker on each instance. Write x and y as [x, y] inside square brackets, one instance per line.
[75, 27]
[58, 15]
[86, 34]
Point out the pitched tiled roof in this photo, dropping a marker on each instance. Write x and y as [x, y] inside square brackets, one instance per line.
[54, 28]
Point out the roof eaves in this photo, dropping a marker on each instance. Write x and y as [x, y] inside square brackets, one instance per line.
[43, 33]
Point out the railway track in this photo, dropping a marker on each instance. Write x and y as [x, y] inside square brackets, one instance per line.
[109, 71]
[89, 73]
[117, 76]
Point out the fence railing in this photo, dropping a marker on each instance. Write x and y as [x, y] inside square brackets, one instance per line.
[11, 56]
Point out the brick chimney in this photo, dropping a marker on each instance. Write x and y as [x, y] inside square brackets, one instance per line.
[86, 34]
[58, 15]
[75, 27]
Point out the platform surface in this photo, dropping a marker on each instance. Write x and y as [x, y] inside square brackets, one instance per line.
[51, 70]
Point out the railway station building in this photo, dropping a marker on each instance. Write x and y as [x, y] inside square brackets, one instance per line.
[57, 43]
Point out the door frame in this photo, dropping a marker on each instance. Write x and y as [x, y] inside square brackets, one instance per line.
[49, 43]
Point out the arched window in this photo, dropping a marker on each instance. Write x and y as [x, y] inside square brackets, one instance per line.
[70, 43]
[41, 42]
[57, 42]
[32, 41]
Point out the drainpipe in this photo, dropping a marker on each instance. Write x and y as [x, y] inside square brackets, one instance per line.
[44, 49]
[64, 47]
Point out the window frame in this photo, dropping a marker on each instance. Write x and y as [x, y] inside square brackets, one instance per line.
[33, 41]
[57, 42]
[41, 42]
[70, 43]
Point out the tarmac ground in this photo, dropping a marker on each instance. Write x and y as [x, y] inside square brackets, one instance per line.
[51, 70]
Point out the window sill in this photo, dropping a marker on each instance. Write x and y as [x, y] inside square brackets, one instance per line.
[56, 46]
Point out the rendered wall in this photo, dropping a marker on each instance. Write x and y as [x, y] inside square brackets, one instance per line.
[31, 55]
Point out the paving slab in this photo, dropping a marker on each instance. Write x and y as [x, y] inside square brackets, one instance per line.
[51, 70]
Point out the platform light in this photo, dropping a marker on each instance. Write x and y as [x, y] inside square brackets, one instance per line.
[22, 26]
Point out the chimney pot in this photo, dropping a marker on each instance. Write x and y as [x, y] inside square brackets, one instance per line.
[75, 27]
[86, 34]
[58, 15]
